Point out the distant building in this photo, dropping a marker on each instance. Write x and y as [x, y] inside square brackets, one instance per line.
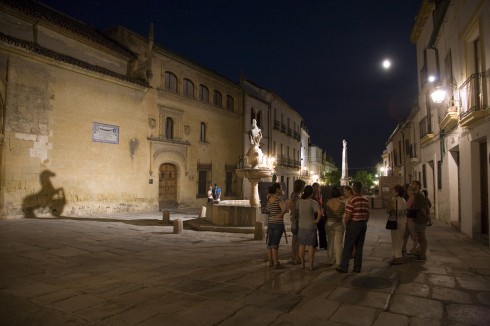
[316, 160]
[281, 129]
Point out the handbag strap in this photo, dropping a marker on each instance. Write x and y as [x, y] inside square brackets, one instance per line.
[396, 205]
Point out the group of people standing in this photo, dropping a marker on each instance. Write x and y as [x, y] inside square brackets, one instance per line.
[412, 208]
[342, 220]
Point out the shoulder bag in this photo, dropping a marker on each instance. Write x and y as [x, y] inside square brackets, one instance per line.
[392, 223]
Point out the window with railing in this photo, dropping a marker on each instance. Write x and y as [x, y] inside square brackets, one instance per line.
[425, 126]
[473, 94]
[413, 150]
[277, 125]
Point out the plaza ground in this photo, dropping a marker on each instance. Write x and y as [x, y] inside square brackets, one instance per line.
[129, 269]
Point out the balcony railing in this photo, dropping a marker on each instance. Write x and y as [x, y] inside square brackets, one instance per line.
[290, 132]
[449, 118]
[284, 161]
[426, 128]
[413, 153]
[283, 128]
[277, 125]
[473, 95]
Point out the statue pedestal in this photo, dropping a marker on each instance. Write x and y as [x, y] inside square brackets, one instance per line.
[254, 176]
[254, 157]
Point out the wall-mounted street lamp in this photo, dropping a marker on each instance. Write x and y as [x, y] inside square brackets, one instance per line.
[438, 95]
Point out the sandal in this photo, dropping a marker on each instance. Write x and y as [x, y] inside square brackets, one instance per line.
[396, 262]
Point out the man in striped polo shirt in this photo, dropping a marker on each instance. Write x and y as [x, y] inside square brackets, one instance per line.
[356, 216]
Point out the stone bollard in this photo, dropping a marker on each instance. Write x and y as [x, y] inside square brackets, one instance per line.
[259, 231]
[166, 217]
[178, 226]
[203, 212]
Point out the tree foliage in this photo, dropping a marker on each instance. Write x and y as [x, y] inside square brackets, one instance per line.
[332, 177]
[366, 178]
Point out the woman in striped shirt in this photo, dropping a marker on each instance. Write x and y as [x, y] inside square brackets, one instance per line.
[275, 226]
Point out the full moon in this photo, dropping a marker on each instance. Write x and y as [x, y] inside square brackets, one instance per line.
[386, 64]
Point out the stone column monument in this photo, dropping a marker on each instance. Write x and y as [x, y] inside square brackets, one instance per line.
[344, 180]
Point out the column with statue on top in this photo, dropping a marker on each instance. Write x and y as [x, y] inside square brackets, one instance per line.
[344, 179]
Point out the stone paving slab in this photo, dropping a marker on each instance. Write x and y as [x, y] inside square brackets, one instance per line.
[129, 269]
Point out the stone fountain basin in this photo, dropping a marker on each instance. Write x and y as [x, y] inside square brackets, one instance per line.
[233, 213]
[254, 173]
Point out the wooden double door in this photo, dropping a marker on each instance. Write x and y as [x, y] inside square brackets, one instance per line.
[167, 187]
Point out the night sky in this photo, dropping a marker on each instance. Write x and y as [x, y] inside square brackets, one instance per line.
[322, 57]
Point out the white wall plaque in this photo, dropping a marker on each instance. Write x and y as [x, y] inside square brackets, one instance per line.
[105, 133]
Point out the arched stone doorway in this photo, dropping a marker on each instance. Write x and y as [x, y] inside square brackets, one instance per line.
[167, 187]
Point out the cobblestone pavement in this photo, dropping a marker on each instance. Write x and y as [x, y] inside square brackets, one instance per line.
[129, 269]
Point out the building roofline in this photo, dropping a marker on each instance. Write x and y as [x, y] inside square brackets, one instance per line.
[41, 13]
[44, 52]
[425, 12]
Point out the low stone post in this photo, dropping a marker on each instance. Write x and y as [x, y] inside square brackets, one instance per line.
[166, 217]
[178, 226]
[259, 231]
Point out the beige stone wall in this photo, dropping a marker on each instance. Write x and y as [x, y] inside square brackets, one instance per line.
[54, 97]
[50, 113]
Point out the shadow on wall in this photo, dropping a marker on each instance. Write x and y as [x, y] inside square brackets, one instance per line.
[48, 199]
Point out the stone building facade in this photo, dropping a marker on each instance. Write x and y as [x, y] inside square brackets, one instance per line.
[449, 144]
[93, 125]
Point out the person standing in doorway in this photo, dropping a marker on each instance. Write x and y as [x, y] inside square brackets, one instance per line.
[356, 217]
[322, 235]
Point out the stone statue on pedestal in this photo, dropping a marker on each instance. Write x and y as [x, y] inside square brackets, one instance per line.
[254, 169]
[254, 154]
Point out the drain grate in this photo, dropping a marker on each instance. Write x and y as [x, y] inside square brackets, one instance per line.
[369, 282]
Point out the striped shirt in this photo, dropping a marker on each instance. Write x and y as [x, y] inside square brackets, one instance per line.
[358, 207]
[275, 211]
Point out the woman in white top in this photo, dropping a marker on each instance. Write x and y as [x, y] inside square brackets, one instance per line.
[398, 206]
